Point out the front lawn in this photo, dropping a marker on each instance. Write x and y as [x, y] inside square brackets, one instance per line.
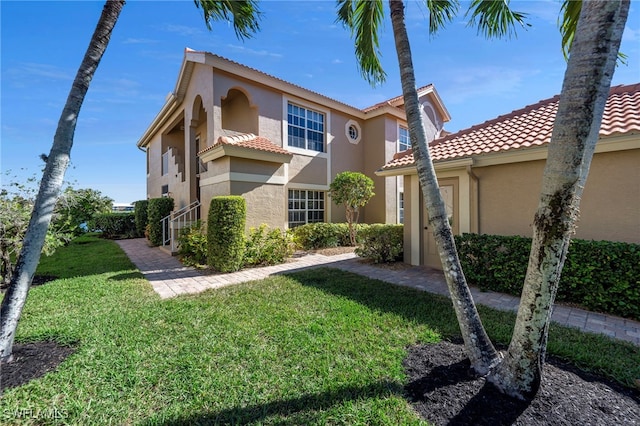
[316, 347]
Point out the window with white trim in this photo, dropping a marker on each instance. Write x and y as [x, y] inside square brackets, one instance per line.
[400, 207]
[305, 207]
[404, 142]
[305, 128]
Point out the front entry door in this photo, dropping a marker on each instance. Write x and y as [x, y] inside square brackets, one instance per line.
[449, 191]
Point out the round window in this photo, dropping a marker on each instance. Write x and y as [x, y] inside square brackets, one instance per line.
[353, 132]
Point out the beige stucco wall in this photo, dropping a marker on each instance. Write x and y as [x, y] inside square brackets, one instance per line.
[381, 144]
[265, 203]
[609, 210]
[266, 101]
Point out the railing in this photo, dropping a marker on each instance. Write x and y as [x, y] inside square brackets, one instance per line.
[173, 223]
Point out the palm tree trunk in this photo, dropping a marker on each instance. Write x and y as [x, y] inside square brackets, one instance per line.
[52, 179]
[479, 348]
[584, 93]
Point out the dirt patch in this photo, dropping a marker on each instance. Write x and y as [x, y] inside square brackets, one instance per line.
[443, 390]
[30, 361]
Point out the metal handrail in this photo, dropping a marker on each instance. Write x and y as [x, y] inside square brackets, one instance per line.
[177, 220]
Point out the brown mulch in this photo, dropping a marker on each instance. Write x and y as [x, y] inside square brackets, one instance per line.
[443, 390]
[30, 361]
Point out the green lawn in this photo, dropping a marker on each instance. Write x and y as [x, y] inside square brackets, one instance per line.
[317, 347]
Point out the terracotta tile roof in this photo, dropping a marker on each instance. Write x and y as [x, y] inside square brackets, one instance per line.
[528, 127]
[250, 141]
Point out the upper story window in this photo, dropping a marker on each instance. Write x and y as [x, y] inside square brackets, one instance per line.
[165, 163]
[305, 128]
[403, 139]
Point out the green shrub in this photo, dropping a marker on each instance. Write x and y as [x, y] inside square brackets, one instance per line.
[192, 244]
[158, 209]
[114, 225]
[319, 235]
[601, 276]
[140, 210]
[225, 236]
[266, 246]
[381, 243]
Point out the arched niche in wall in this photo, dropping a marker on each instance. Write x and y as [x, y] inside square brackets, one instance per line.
[238, 114]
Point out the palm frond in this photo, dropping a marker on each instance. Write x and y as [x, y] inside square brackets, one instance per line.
[568, 22]
[494, 18]
[363, 18]
[244, 14]
[441, 12]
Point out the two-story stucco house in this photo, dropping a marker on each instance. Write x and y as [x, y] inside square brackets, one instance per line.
[227, 129]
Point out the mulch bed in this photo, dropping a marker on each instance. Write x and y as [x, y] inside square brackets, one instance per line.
[444, 391]
[30, 361]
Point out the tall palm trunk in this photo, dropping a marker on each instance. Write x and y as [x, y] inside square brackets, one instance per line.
[52, 179]
[582, 100]
[479, 348]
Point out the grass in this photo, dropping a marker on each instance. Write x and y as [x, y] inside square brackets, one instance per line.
[316, 347]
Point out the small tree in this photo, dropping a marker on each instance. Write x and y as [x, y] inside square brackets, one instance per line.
[76, 207]
[353, 190]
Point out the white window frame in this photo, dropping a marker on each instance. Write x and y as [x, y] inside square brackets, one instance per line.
[400, 137]
[358, 131]
[400, 206]
[305, 208]
[285, 128]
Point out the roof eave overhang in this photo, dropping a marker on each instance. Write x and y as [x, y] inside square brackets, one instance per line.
[439, 166]
[174, 98]
[160, 119]
[228, 150]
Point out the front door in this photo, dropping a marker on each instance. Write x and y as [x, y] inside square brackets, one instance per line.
[449, 191]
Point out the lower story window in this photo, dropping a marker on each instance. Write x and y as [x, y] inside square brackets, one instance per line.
[401, 207]
[305, 207]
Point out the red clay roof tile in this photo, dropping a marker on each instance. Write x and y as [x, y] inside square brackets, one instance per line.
[528, 127]
[250, 141]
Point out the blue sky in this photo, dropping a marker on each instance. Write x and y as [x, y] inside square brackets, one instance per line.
[43, 44]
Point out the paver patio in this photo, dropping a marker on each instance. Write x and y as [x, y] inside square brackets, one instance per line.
[170, 278]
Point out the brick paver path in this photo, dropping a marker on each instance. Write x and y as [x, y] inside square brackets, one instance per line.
[171, 278]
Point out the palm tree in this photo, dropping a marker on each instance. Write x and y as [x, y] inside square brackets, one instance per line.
[243, 13]
[593, 47]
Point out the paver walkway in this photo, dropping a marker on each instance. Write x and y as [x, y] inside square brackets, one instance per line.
[171, 278]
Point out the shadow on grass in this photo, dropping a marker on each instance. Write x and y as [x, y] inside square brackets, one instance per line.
[126, 276]
[411, 304]
[288, 407]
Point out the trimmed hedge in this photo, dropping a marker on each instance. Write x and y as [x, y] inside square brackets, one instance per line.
[114, 225]
[140, 210]
[601, 276]
[319, 235]
[381, 243]
[158, 209]
[225, 237]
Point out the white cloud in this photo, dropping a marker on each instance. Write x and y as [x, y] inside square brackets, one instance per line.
[337, 61]
[132, 40]
[472, 82]
[31, 69]
[630, 34]
[249, 51]
[182, 30]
